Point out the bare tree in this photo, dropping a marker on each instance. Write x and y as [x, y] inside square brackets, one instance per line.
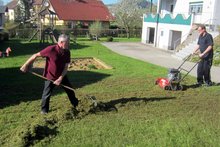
[128, 14]
[23, 10]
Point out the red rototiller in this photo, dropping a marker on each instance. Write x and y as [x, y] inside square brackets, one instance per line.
[172, 82]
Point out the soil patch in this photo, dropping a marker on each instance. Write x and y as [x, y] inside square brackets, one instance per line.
[87, 63]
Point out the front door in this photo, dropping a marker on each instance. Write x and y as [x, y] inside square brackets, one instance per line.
[151, 35]
[175, 39]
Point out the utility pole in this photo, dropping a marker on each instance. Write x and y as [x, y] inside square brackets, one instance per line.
[151, 3]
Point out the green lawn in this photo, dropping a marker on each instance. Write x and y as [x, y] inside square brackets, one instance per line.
[131, 110]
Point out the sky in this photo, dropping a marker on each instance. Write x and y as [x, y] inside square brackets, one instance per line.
[6, 1]
[109, 1]
[104, 1]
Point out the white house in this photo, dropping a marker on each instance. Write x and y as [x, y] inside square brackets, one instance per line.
[175, 19]
[10, 15]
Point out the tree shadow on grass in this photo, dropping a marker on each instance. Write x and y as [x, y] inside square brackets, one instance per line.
[111, 105]
[17, 87]
[28, 48]
[78, 46]
[20, 48]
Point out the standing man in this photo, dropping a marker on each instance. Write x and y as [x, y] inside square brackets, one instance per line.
[57, 61]
[205, 46]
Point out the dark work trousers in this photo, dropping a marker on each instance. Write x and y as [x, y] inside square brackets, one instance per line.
[203, 71]
[48, 88]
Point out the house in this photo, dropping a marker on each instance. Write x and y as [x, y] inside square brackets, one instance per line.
[66, 12]
[177, 20]
[3, 9]
[70, 12]
[3, 34]
[10, 15]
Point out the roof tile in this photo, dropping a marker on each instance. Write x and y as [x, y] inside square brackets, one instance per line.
[84, 10]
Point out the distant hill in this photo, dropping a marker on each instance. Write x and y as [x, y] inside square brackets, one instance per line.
[143, 4]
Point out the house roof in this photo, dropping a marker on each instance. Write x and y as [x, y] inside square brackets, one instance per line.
[12, 4]
[81, 10]
[37, 2]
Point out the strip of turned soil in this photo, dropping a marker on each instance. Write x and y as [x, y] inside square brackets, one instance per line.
[75, 64]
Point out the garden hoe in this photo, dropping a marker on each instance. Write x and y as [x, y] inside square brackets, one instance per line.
[92, 98]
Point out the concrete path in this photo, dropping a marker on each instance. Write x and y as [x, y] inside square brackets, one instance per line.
[156, 56]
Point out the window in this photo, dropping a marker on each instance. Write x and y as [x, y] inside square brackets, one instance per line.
[0, 19]
[195, 8]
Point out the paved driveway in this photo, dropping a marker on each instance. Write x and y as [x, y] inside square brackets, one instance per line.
[155, 56]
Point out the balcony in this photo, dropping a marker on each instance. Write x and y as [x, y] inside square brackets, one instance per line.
[178, 19]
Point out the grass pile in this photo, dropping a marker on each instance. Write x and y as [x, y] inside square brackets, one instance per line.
[130, 109]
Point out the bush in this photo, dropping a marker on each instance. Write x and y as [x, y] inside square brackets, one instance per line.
[109, 39]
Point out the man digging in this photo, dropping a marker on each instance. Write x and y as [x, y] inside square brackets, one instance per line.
[57, 61]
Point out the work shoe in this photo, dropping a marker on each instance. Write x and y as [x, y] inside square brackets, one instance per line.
[199, 84]
[76, 102]
[208, 84]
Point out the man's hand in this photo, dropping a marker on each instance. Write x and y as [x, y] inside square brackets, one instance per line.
[58, 81]
[24, 68]
[196, 50]
[201, 55]
[29, 63]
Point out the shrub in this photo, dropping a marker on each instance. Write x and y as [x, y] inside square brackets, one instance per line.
[109, 38]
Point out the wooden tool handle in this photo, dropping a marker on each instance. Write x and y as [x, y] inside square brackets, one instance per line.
[42, 77]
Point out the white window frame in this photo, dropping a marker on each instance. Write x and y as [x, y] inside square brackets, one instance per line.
[195, 8]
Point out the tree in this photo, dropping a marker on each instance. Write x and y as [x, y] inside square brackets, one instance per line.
[23, 10]
[128, 14]
[95, 29]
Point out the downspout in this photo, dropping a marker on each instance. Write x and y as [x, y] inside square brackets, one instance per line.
[151, 6]
[157, 21]
[214, 16]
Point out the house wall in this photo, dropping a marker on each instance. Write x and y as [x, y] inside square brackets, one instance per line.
[216, 15]
[46, 21]
[145, 31]
[166, 6]
[164, 28]
[2, 19]
[209, 13]
[168, 27]
[11, 14]
[164, 35]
